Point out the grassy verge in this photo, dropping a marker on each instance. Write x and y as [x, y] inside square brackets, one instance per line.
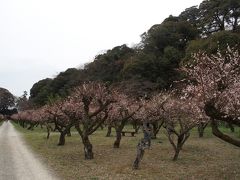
[206, 158]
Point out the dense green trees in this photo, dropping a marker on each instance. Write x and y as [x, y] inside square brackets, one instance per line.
[163, 47]
[152, 64]
[7, 101]
[215, 42]
[107, 66]
[22, 102]
[213, 16]
[172, 32]
[191, 15]
[40, 91]
[219, 15]
[64, 81]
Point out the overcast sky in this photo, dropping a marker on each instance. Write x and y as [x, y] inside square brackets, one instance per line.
[40, 38]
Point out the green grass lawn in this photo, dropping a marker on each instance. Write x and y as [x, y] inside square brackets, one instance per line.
[206, 158]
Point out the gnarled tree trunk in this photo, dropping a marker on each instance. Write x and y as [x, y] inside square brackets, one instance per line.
[88, 150]
[140, 152]
[181, 140]
[118, 138]
[48, 133]
[109, 131]
[222, 136]
[61, 141]
[156, 127]
[215, 114]
[201, 128]
[136, 126]
[69, 132]
[119, 129]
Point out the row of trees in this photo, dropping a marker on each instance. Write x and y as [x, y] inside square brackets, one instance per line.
[209, 93]
[92, 105]
[86, 109]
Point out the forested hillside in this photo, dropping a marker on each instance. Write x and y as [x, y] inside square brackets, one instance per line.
[153, 63]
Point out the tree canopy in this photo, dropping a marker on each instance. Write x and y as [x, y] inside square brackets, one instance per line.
[152, 64]
[6, 101]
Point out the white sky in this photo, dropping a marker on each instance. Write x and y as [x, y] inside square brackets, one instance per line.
[40, 38]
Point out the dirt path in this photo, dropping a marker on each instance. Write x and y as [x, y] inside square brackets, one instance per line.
[17, 162]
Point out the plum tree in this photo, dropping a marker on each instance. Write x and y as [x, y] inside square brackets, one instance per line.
[216, 86]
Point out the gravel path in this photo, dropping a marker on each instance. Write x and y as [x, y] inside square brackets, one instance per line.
[17, 162]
